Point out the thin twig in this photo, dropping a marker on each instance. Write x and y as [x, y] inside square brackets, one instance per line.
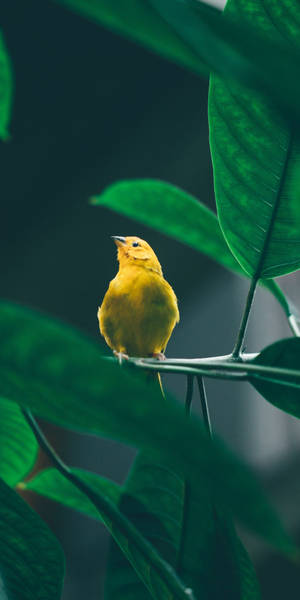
[220, 370]
[204, 406]
[189, 393]
[227, 358]
[294, 325]
[236, 353]
[164, 367]
[187, 487]
[111, 514]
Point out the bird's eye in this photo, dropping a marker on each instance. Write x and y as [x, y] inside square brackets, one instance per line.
[135, 244]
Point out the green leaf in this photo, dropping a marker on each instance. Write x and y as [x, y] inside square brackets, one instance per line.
[54, 485]
[249, 585]
[62, 376]
[285, 394]
[256, 159]
[156, 574]
[185, 530]
[18, 446]
[236, 45]
[172, 211]
[6, 89]
[153, 500]
[137, 20]
[31, 559]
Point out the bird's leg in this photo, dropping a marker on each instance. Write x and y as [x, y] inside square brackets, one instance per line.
[159, 355]
[121, 356]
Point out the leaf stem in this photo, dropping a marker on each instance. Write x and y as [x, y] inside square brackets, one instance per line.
[236, 353]
[220, 369]
[204, 406]
[112, 516]
[189, 394]
[294, 325]
[187, 487]
[218, 373]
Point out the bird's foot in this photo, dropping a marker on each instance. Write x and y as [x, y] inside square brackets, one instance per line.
[159, 355]
[121, 356]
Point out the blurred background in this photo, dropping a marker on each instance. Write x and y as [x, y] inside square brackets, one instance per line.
[92, 108]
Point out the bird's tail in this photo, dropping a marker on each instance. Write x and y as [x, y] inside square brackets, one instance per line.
[160, 385]
[153, 377]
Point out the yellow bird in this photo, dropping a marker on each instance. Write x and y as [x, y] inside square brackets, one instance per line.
[139, 310]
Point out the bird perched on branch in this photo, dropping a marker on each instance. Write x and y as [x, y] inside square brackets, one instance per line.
[139, 310]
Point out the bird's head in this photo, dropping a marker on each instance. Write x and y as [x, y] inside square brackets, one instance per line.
[134, 251]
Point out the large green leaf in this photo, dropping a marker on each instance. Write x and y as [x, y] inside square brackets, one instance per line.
[188, 534]
[256, 158]
[161, 581]
[31, 559]
[18, 446]
[6, 87]
[234, 46]
[153, 501]
[285, 395]
[137, 20]
[196, 36]
[172, 211]
[54, 485]
[63, 377]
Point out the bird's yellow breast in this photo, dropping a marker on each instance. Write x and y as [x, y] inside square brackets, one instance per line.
[139, 312]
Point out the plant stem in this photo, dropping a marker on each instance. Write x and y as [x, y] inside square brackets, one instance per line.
[223, 370]
[293, 323]
[189, 394]
[187, 488]
[218, 373]
[111, 515]
[204, 406]
[236, 353]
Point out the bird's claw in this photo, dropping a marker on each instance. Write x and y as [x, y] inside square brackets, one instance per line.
[159, 356]
[121, 356]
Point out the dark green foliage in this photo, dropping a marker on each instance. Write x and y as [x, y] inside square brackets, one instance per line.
[63, 377]
[53, 485]
[238, 47]
[31, 560]
[154, 500]
[187, 531]
[18, 446]
[138, 20]
[153, 571]
[256, 158]
[282, 354]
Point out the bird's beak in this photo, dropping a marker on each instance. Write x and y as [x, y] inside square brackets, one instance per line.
[118, 239]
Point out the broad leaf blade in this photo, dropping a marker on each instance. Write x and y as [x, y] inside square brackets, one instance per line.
[31, 559]
[18, 446]
[235, 47]
[62, 376]
[158, 577]
[284, 354]
[6, 87]
[172, 211]
[152, 500]
[53, 485]
[137, 20]
[256, 159]
[184, 528]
